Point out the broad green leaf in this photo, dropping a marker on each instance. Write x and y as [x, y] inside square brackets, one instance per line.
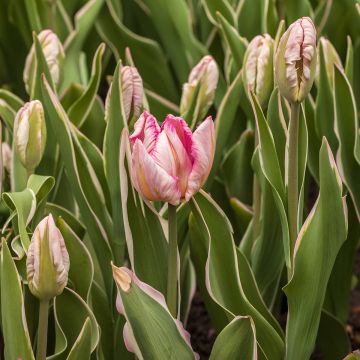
[346, 127]
[14, 101]
[296, 8]
[223, 275]
[236, 168]
[349, 63]
[236, 43]
[148, 320]
[81, 108]
[8, 114]
[236, 341]
[316, 248]
[82, 346]
[84, 20]
[144, 228]
[212, 7]
[148, 56]
[243, 213]
[71, 312]
[13, 321]
[116, 121]
[247, 11]
[68, 146]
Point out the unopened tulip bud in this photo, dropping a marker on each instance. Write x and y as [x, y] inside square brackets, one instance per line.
[331, 58]
[47, 261]
[6, 156]
[30, 134]
[258, 68]
[295, 61]
[132, 92]
[54, 56]
[205, 75]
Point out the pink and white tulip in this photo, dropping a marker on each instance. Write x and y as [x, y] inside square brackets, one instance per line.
[295, 62]
[170, 163]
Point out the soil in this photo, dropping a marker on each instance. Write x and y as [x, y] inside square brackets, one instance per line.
[203, 334]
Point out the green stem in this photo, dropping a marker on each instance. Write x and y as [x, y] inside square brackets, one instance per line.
[42, 330]
[293, 191]
[172, 262]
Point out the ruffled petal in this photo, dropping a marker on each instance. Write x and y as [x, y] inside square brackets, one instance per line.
[203, 150]
[146, 129]
[150, 180]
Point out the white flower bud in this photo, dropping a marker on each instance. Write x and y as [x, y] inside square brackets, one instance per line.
[295, 62]
[47, 261]
[6, 156]
[132, 92]
[30, 134]
[54, 56]
[258, 67]
[206, 75]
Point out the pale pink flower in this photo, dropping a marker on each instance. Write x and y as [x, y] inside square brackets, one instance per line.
[170, 163]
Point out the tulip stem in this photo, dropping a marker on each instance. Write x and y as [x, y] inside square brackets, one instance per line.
[292, 174]
[172, 262]
[42, 330]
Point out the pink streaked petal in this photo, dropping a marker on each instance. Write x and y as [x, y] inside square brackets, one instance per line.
[130, 341]
[203, 151]
[150, 180]
[164, 155]
[175, 123]
[146, 129]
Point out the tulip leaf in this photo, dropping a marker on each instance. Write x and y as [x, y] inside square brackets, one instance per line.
[144, 232]
[82, 269]
[148, 320]
[236, 341]
[71, 313]
[82, 346]
[212, 7]
[148, 55]
[349, 63]
[316, 248]
[14, 101]
[80, 109]
[271, 169]
[8, 114]
[13, 321]
[224, 276]
[116, 121]
[74, 160]
[346, 127]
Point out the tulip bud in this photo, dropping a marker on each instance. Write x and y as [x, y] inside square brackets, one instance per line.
[295, 61]
[331, 58]
[47, 261]
[205, 75]
[132, 92]
[30, 134]
[54, 56]
[258, 67]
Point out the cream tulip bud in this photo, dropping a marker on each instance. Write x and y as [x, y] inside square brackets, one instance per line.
[6, 156]
[132, 92]
[48, 261]
[54, 56]
[258, 68]
[331, 58]
[205, 75]
[295, 61]
[30, 134]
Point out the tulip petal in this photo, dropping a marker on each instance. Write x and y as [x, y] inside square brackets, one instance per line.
[203, 150]
[150, 180]
[146, 129]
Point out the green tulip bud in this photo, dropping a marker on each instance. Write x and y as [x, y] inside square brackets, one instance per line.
[258, 68]
[54, 56]
[30, 134]
[331, 58]
[47, 261]
[295, 60]
[205, 75]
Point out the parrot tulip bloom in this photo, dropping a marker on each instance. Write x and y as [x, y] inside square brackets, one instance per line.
[295, 62]
[170, 163]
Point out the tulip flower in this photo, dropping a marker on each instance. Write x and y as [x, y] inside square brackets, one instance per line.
[132, 92]
[30, 134]
[170, 163]
[258, 67]
[6, 156]
[54, 56]
[204, 75]
[295, 61]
